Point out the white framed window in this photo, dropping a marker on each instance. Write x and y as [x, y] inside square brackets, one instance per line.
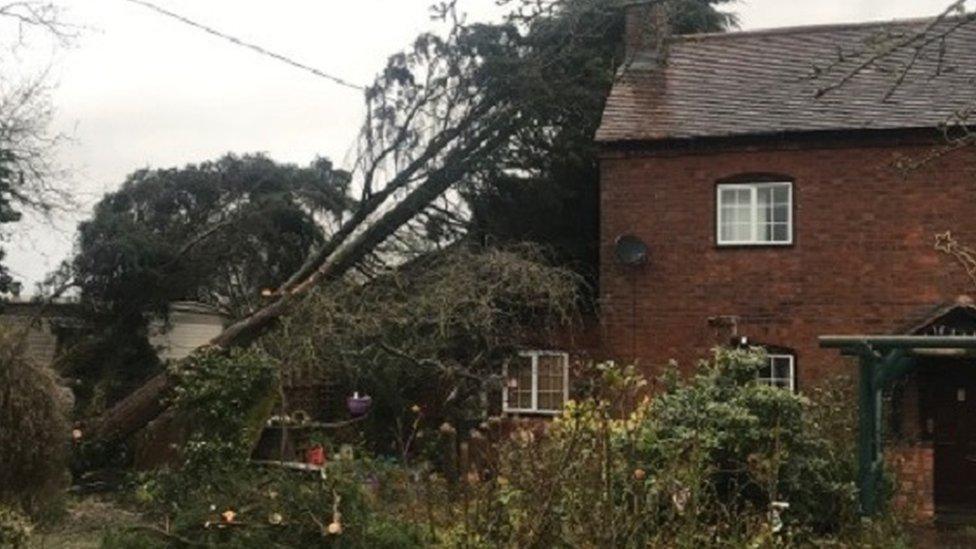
[754, 214]
[536, 382]
[779, 372]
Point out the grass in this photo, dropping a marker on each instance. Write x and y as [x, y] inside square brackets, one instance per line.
[84, 524]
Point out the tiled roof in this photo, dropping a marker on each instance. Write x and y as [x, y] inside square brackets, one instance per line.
[762, 82]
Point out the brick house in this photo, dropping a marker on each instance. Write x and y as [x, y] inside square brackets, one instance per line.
[773, 214]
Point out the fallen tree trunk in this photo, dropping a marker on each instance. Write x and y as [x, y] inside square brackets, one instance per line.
[146, 403]
[129, 414]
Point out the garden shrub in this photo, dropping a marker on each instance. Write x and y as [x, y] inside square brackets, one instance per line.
[703, 463]
[34, 429]
[217, 497]
[223, 399]
[710, 461]
[748, 445]
[337, 507]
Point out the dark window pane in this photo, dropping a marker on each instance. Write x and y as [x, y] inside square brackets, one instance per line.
[780, 233]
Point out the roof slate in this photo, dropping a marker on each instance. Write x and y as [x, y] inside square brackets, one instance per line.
[764, 82]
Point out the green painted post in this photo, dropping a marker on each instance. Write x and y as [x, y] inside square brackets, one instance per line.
[877, 372]
[866, 437]
[896, 364]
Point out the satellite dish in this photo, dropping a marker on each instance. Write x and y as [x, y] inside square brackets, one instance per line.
[631, 251]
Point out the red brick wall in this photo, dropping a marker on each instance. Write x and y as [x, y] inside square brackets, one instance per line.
[643, 28]
[863, 259]
[912, 468]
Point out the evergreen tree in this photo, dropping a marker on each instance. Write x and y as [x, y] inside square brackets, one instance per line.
[544, 187]
[218, 233]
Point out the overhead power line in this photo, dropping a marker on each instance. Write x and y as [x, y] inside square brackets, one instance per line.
[242, 43]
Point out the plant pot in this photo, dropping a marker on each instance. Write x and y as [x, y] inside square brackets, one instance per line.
[315, 455]
[358, 405]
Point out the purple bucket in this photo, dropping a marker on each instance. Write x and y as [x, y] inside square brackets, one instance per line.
[358, 405]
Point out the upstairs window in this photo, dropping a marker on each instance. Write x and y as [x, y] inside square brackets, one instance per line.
[780, 372]
[536, 382]
[755, 214]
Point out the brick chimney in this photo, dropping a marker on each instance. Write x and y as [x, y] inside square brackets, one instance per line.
[647, 30]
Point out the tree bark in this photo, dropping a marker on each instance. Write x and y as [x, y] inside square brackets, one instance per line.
[373, 202]
[132, 412]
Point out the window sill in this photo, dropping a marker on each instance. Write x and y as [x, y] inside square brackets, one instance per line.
[755, 245]
[542, 413]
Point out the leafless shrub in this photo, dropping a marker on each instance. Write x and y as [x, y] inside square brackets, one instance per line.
[34, 429]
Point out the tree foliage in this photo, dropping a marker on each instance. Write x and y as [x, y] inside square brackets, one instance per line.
[27, 169]
[543, 186]
[442, 114]
[25, 101]
[435, 332]
[218, 233]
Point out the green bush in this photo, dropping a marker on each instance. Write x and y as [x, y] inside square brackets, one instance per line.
[34, 430]
[223, 399]
[710, 461]
[228, 397]
[338, 507]
[730, 440]
[703, 463]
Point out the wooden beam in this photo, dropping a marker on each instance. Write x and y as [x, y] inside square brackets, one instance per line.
[889, 342]
[867, 436]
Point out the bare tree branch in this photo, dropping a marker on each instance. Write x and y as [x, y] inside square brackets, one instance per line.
[914, 43]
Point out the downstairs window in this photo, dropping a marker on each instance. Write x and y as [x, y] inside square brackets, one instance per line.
[536, 382]
[780, 371]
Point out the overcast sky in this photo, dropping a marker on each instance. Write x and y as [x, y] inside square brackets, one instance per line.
[140, 90]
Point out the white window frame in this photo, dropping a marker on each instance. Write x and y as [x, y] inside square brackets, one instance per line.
[770, 380]
[534, 409]
[753, 188]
